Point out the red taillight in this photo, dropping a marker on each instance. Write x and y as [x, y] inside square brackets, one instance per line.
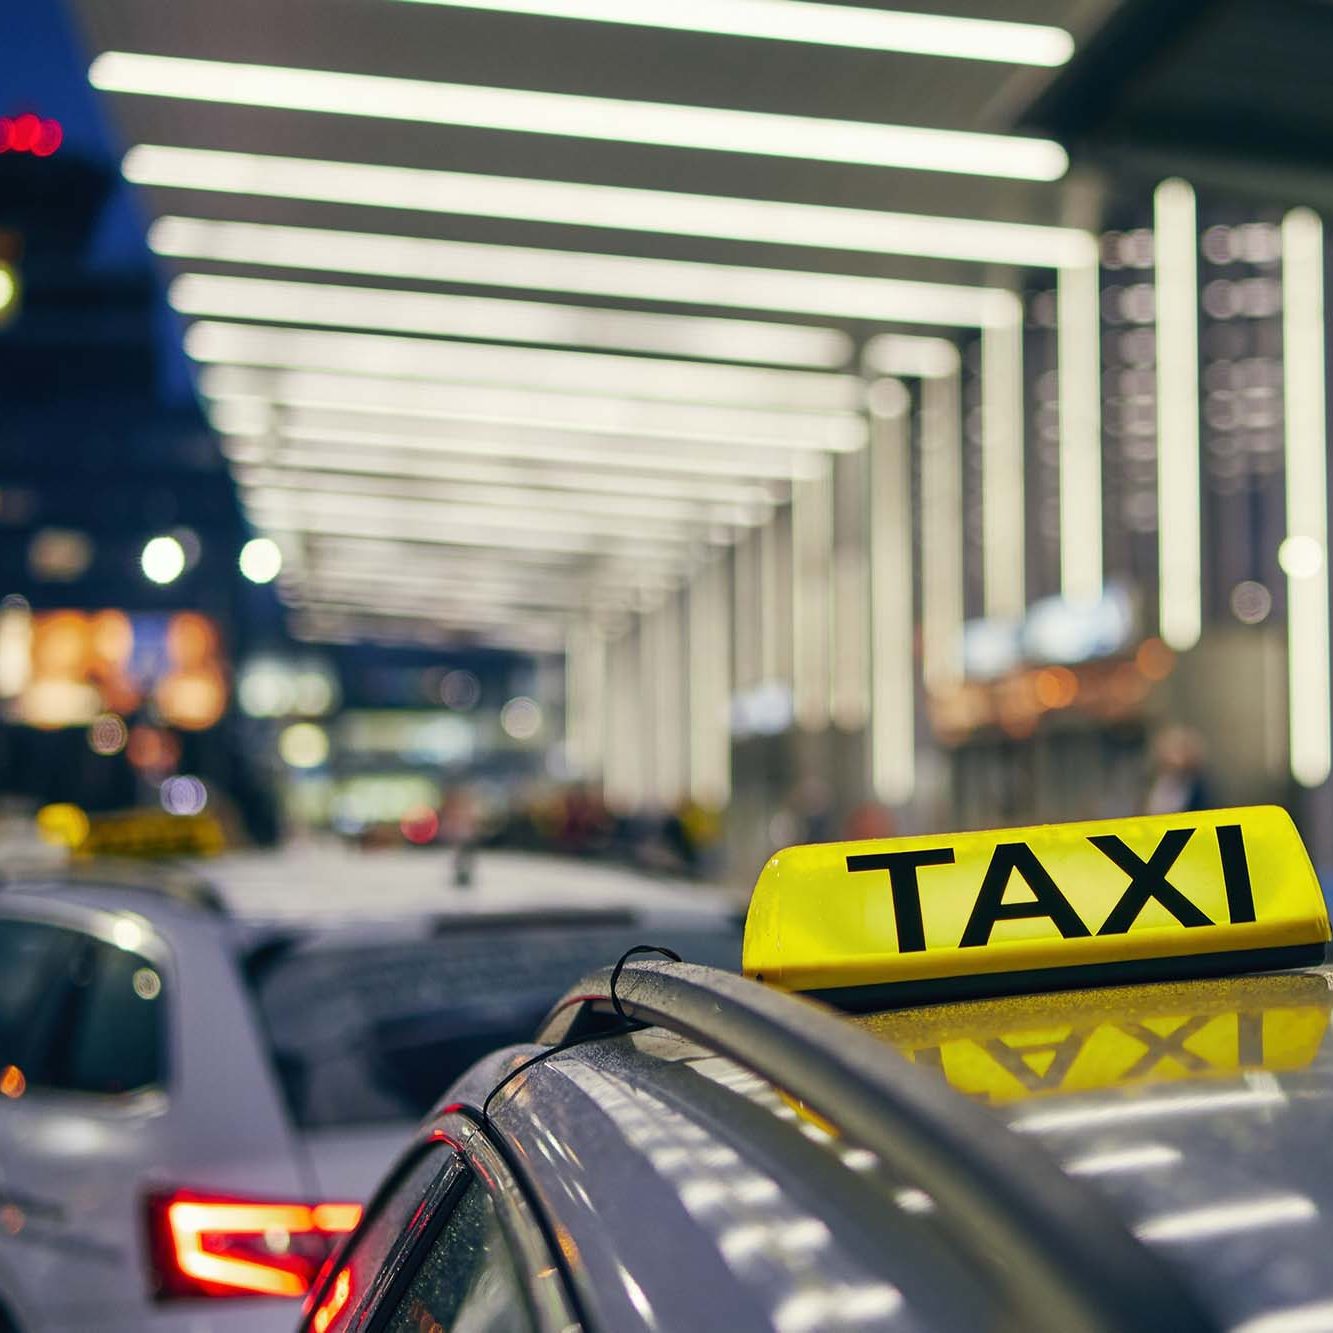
[205, 1246]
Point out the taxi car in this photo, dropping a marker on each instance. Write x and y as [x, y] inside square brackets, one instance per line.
[1062, 1078]
[194, 1104]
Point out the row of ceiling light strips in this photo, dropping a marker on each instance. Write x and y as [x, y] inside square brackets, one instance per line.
[293, 364]
[884, 301]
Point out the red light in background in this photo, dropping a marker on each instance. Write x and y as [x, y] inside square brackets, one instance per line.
[420, 826]
[30, 134]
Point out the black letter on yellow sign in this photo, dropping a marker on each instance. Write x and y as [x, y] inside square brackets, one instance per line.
[902, 868]
[990, 906]
[1147, 879]
[1236, 872]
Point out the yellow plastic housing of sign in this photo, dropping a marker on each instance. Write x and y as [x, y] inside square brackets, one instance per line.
[1024, 909]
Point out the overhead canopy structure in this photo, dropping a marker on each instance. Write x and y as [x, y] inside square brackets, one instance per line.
[379, 211]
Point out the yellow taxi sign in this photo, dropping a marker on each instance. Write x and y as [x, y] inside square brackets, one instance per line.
[1222, 890]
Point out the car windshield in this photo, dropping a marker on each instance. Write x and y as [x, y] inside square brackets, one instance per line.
[375, 1030]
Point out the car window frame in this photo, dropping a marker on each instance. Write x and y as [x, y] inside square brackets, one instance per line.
[550, 1301]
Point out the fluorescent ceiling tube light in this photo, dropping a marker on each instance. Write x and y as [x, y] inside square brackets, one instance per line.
[500, 319]
[912, 357]
[430, 531]
[616, 207]
[315, 481]
[306, 437]
[594, 373]
[800, 21]
[559, 480]
[537, 409]
[447, 513]
[614, 120]
[624, 277]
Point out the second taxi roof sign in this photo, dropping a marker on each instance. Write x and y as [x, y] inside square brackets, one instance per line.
[1026, 909]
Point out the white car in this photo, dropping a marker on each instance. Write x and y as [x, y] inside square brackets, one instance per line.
[194, 1105]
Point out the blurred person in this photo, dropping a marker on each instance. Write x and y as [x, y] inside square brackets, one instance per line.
[1179, 782]
[460, 827]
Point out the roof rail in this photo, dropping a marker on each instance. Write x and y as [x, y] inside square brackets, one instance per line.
[171, 881]
[1070, 1253]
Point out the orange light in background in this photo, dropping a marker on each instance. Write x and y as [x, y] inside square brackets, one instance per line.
[1154, 659]
[192, 640]
[12, 1082]
[112, 636]
[193, 700]
[151, 750]
[1056, 687]
[338, 1298]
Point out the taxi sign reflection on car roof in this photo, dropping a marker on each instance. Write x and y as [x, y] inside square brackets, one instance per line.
[1221, 891]
[1007, 1050]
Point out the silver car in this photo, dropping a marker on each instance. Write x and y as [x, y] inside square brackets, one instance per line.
[193, 1107]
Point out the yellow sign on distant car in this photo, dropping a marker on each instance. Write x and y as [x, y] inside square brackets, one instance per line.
[1015, 909]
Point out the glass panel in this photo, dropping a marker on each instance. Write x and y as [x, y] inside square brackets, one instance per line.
[468, 1283]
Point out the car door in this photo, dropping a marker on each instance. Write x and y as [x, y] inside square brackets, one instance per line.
[83, 1076]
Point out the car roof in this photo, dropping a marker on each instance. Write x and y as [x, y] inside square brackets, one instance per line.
[1199, 1109]
[1171, 1135]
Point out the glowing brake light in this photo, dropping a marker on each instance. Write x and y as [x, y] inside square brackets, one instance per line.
[338, 1296]
[233, 1247]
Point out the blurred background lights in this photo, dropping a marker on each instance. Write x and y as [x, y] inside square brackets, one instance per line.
[62, 825]
[420, 826]
[261, 560]
[461, 691]
[304, 745]
[521, 718]
[1301, 557]
[59, 555]
[9, 289]
[266, 689]
[28, 133]
[162, 560]
[108, 734]
[183, 794]
[1251, 602]
[315, 692]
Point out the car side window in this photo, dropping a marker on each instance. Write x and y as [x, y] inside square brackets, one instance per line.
[469, 1281]
[77, 1013]
[30, 955]
[115, 1044]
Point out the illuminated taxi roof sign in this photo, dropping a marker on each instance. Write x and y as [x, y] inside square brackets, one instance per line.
[1038, 908]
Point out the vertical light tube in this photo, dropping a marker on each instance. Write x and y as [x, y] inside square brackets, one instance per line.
[585, 699]
[1179, 539]
[746, 599]
[812, 579]
[769, 539]
[625, 760]
[1003, 526]
[849, 669]
[1304, 553]
[892, 627]
[941, 532]
[664, 698]
[710, 687]
[1078, 348]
